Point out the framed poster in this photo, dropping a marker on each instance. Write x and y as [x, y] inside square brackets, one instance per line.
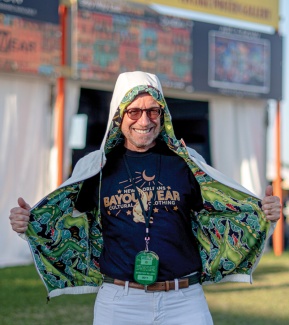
[238, 62]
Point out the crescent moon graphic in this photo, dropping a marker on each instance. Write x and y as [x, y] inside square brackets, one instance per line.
[147, 178]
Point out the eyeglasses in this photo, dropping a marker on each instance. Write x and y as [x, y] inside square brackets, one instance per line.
[136, 113]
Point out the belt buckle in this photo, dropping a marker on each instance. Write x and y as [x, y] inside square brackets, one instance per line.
[146, 289]
[150, 291]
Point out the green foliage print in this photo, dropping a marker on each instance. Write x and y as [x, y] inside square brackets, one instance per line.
[231, 229]
[66, 249]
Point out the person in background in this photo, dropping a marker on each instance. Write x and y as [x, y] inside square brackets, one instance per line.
[144, 221]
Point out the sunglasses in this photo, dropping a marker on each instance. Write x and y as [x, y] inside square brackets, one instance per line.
[136, 113]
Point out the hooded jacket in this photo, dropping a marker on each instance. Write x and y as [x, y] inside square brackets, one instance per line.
[231, 229]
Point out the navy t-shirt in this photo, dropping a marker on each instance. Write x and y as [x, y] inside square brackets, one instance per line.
[123, 223]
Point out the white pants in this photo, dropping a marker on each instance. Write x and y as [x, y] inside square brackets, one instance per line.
[117, 305]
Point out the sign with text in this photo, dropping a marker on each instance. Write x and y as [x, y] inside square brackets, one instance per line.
[29, 46]
[265, 12]
[40, 10]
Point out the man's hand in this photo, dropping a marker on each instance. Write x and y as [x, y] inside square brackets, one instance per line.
[271, 205]
[19, 216]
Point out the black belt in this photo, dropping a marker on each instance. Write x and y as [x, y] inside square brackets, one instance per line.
[184, 282]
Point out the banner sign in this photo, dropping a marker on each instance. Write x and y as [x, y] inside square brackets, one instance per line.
[264, 12]
[237, 62]
[40, 10]
[110, 43]
[29, 46]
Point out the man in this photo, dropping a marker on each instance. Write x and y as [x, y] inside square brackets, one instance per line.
[144, 221]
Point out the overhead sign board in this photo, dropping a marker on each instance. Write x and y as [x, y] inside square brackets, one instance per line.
[40, 10]
[29, 36]
[28, 46]
[265, 12]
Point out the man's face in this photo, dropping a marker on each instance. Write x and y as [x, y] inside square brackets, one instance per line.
[140, 134]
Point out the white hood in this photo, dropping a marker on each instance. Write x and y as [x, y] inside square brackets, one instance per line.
[124, 83]
[92, 163]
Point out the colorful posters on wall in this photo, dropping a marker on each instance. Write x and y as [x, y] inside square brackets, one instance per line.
[110, 43]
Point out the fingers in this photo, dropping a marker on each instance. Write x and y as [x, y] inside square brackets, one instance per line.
[273, 200]
[271, 206]
[272, 215]
[23, 204]
[19, 216]
[17, 213]
[269, 190]
[19, 222]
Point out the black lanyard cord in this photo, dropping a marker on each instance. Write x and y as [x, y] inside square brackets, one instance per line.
[147, 216]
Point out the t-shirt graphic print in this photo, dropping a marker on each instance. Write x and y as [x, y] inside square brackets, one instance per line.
[176, 194]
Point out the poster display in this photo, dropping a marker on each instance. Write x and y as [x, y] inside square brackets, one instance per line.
[111, 43]
[28, 46]
[237, 62]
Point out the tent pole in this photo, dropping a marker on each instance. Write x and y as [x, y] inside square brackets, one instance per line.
[60, 100]
[278, 235]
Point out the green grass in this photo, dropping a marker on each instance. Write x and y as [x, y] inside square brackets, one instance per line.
[266, 302]
[23, 301]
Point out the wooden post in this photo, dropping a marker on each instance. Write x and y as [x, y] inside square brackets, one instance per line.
[278, 235]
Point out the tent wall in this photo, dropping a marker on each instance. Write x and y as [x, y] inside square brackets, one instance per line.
[238, 140]
[27, 159]
[25, 119]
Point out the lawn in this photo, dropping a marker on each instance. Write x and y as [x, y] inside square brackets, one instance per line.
[23, 299]
[265, 302]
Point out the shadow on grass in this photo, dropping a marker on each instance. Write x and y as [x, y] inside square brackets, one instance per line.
[224, 288]
[225, 318]
[269, 269]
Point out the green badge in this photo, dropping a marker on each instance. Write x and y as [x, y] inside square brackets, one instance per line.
[146, 267]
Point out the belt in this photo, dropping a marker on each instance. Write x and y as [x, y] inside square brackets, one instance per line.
[184, 282]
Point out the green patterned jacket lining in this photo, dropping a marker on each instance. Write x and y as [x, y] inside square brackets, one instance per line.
[231, 230]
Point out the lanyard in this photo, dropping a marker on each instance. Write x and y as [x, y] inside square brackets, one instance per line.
[147, 216]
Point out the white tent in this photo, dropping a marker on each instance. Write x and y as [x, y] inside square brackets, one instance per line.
[238, 140]
[27, 164]
[28, 155]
